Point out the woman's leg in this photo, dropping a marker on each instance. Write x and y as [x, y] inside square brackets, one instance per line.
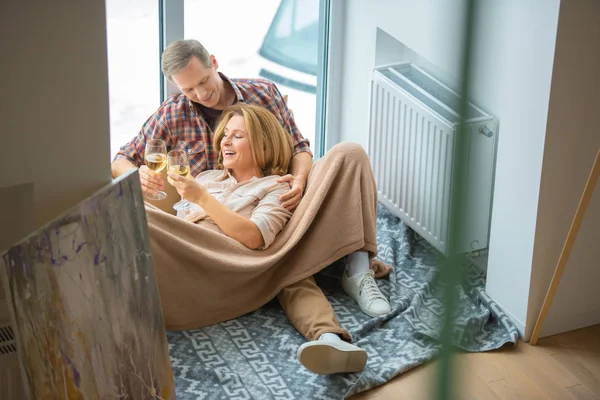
[359, 283]
[309, 311]
[358, 280]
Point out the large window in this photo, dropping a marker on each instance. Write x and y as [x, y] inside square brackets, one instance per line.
[273, 39]
[133, 66]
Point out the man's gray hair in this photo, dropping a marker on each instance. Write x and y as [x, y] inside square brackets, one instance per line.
[178, 54]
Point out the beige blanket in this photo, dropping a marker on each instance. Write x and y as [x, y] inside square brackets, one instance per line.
[205, 277]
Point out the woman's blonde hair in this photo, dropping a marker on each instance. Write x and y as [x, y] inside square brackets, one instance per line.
[272, 147]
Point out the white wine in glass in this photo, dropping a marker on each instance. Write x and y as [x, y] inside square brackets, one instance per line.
[156, 160]
[179, 163]
[180, 169]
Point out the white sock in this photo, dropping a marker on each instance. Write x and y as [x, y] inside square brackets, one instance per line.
[330, 337]
[357, 263]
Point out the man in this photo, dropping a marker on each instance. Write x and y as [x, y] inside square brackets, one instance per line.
[186, 121]
[205, 94]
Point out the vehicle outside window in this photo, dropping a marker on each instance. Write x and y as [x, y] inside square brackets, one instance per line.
[289, 57]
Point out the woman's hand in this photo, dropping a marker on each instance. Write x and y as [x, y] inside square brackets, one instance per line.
[291, 199]
[187, 187]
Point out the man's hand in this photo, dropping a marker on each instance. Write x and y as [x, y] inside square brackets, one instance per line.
[188, 188]
[151, 181]
[291, 199]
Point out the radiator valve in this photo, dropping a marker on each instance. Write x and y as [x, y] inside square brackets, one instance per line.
[486, 131]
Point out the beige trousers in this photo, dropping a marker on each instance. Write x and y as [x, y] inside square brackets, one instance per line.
[309, 311]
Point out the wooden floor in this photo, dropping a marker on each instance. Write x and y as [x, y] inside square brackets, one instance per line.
[565, 366]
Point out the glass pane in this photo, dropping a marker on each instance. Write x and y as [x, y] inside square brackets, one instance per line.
[277, 40]
[292, 39]
[133, 66]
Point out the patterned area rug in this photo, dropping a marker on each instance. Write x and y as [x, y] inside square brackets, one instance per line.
[254, 356]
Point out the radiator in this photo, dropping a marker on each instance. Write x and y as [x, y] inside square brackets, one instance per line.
[413, 123]
[11, 384]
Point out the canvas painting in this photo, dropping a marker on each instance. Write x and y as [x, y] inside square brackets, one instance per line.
[85, 305]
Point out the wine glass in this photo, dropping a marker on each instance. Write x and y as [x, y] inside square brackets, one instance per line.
[156, 160]
[179, 163]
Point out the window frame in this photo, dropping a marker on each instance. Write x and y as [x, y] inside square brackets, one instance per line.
[321, 142]
[170, 28]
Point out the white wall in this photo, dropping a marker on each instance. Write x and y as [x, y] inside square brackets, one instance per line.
[572, 140]
[512, 72]
[15, 224]
[54, 110]
[512, 75]
[427, 27]
[54, 102]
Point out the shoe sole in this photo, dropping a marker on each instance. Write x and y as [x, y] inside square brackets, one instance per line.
[366, 311]
[325, 359]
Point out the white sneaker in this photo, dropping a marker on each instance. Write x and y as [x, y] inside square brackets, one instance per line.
[364, 289]
[325, 356]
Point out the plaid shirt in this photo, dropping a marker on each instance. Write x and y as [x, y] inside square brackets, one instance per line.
[182, 126]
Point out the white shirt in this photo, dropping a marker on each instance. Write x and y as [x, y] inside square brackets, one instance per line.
[256, 199]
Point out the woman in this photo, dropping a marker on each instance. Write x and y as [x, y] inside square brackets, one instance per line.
[210, 271]
[242, 199]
